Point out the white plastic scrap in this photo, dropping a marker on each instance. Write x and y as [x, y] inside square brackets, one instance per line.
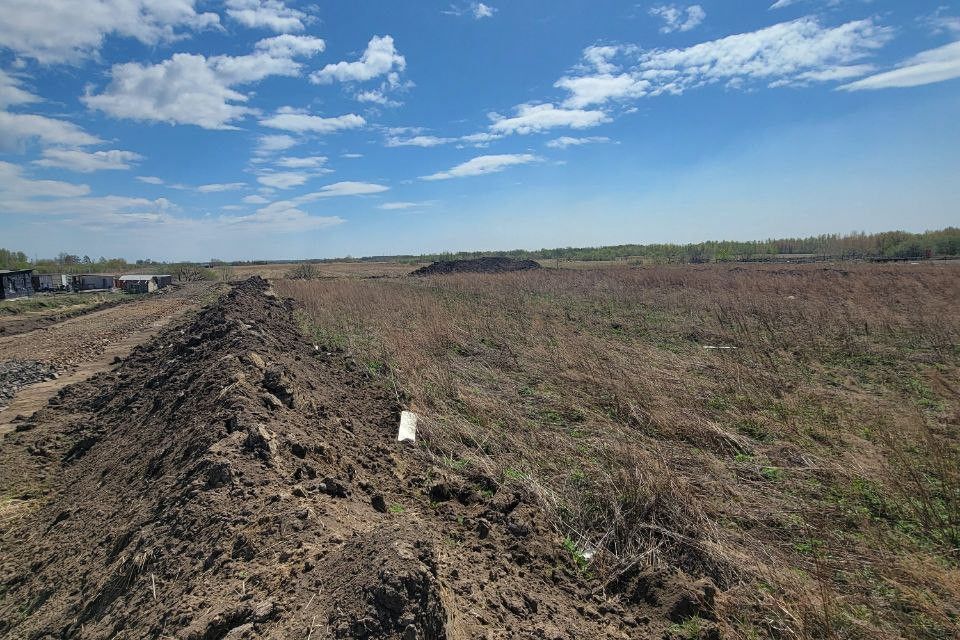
[707, 346]
[408, 427]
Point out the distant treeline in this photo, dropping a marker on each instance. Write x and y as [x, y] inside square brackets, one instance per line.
[890, 244]
[887, 245]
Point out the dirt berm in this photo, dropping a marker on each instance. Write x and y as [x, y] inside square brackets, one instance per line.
[476, 265]
[229, 480]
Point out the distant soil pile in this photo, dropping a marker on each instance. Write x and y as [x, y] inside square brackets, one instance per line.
[230, 480]
[476, 265]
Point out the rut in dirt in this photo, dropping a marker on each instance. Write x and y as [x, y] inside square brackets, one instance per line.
[229, 479]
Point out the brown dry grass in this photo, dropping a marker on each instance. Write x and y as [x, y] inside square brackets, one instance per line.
[812, 472]
[327, 270]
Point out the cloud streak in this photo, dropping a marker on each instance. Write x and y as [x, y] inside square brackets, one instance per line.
[482, 165]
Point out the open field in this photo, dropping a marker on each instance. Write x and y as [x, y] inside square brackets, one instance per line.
[327, 270]
[788, 433]
[688, 452]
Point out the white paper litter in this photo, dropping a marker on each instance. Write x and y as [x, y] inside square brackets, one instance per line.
[408, 427]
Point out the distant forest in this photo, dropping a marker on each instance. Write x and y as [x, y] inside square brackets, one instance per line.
[887, 245]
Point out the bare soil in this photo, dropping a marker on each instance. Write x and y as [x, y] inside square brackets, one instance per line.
[89, 343]
[477, 265]
[229, 479]
[15, 325]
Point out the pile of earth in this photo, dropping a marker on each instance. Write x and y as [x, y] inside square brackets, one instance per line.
[476, 265]
[16, 374]
[232, 480]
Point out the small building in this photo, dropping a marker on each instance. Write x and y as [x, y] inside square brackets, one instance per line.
[92, 282]
[16, 284]
[48, 282]
[138, 283]
[143, 283]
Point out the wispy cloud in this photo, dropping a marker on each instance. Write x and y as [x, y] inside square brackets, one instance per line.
[929, 67]
[531, 118]
[482, 165]
[218, 187]
[566, 141]
[86, 161]
[785, 53]
[403, 206]
[678, 18]
[298, 121]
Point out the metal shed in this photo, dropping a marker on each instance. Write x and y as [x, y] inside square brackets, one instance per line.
[47, 282]
[138, 283]
[92, 282]
[16, 284]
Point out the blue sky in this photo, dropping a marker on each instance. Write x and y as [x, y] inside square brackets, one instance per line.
[241, 129]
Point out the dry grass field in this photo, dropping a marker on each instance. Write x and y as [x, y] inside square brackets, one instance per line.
[789, 432]
[326, 270]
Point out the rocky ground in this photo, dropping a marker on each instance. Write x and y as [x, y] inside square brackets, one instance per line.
[16, 374]
[231, 480]
[70, 343]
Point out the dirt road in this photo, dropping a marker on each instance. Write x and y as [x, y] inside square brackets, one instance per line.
[80, 347]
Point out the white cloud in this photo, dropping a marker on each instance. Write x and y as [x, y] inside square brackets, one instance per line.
[789, 53]
[482, 165]
[351, 156]
[255, 200]
[11, 92]
[598, 89]
[481, 139]
[281, 217]
[18, 128]
[283, 179]
[193, 89]
[269, 14]
[678, 18]
[936, 65]
[312, 162]
[566, 141]
[14, 186]
[380, 58]
[783, 50]
[782, 4]
[52, 31]
[150, 179]
[398, 206]
[86, 162]
[218, 187]
[939, 22]
[598, 58]
[343, 189]
[290, 119]
[288, 46]
[531, 118]
[477, 10]
[269, 144]
[481, 10]
[376, 96]
[418, 141]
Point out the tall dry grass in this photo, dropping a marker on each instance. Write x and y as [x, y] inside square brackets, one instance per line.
[810, 471]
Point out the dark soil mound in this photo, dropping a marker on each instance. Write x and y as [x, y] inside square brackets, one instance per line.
[477, 265]
[231, 480]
